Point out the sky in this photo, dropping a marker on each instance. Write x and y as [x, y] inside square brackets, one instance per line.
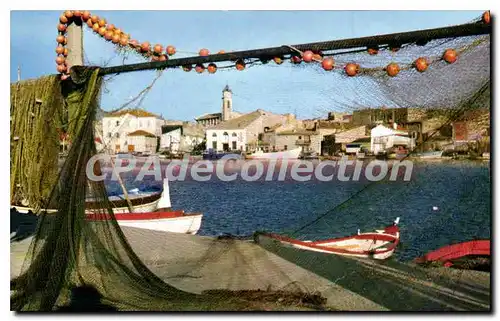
[179, 95]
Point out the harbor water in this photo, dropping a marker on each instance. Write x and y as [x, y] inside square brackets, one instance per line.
[444, 202]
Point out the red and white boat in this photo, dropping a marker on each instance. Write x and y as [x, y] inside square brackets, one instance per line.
[379, 245]
[160, 218]
[470, 254]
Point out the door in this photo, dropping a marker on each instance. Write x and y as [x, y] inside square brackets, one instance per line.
[225, 147]
[117, 148]
[234, 146]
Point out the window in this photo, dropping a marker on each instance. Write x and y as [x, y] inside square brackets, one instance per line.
[214, 145]
[109, 135]
[234, 145]
[214, 135]
[117, 135]
[286, 147]
[117, 123]
[300, 137]
[234, 135]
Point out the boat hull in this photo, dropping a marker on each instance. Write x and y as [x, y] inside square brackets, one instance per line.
[428, 155]
[170, 221]
[289, 154]
[379, 245]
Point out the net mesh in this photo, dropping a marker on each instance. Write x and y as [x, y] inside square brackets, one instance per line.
[135, 269]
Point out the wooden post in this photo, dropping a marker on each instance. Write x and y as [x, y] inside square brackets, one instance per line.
[75, 44]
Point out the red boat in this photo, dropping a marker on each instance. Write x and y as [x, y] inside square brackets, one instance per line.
[467, 255]
[379, 245]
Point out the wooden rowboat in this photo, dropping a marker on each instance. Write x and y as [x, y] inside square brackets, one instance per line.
[161, 220]
[379, 245]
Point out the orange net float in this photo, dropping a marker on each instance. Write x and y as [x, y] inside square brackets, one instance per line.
[328, 63]
[102, 31]
[110, 27]
[296, 59]
[421, 64]
[392, 69]
[95, 27]
[158, 49]
[94, 19]
[102, 22]
[61, 68]
[212, 68]
[61, 27]
[59, 50]
[85, 16]
[60, 60]
[187, 68]
[199, 68]
[373, 50]
[204, 52]
[240, 65]
[351, 69]
[61, 39]
[450, 56]
[68, 14]
[108, 35]
[89, 23]
[77, 13]
[307, 56]
[486, 17]
[115, 39]
[63, 19]
[170, 50]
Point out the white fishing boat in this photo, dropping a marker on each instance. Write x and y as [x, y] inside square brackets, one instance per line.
[287, 154]
[378, 245]
[428, 155]
[150, 210]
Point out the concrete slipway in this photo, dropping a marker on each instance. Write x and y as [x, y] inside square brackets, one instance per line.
[198, 263]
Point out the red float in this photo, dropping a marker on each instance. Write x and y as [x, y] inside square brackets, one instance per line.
[296, 59]
[486, 17]
[307, 56]
[60, 60]
[61, 27]
[328, 63]
[60, 39]
[170, 50]
[115, 38]
[123, 41]
[421, 64]
[212, 68]
[110, 27]
[59, 50]
[240, 65]
[450, 56]
[351, 69]
[199, 68]
[392, 69]
[85, 15]
[204, 52]
[145, 46]
[162, 58]
[63, 19]
[187, 68]
[77, 13]
[68, 14]
[157, 49]
[61, 68]
[108, 35]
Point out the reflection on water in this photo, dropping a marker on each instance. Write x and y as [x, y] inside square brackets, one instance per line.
[459, 190]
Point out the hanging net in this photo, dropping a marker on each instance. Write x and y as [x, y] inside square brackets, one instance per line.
[72, 263]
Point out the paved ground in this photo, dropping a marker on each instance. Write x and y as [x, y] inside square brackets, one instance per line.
[197, 263]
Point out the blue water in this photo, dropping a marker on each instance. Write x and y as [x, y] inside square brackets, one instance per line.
[460, 190]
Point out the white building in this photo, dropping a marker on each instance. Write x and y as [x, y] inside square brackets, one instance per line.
[117, 126]
[384, 138]
[141, 141]
[242, 133]
[181, 138]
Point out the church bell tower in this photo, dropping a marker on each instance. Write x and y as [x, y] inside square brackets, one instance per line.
[227, 103]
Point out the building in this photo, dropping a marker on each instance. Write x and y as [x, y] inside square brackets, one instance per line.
[243, 133]
[343, 138]
[181, 138]
[227, 113]
[116, 128]
[384, 138]
[141, 141]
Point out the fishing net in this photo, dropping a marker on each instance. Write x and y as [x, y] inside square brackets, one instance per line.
[142, 270]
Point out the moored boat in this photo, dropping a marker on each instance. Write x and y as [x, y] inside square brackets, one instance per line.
[287, 154]
[379, 245]
[466, 255]
[428, 155]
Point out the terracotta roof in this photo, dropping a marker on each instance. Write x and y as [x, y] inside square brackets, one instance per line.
[239, 122]
[134, 112]
[300, 131]
[209, 116]
[141, 132]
